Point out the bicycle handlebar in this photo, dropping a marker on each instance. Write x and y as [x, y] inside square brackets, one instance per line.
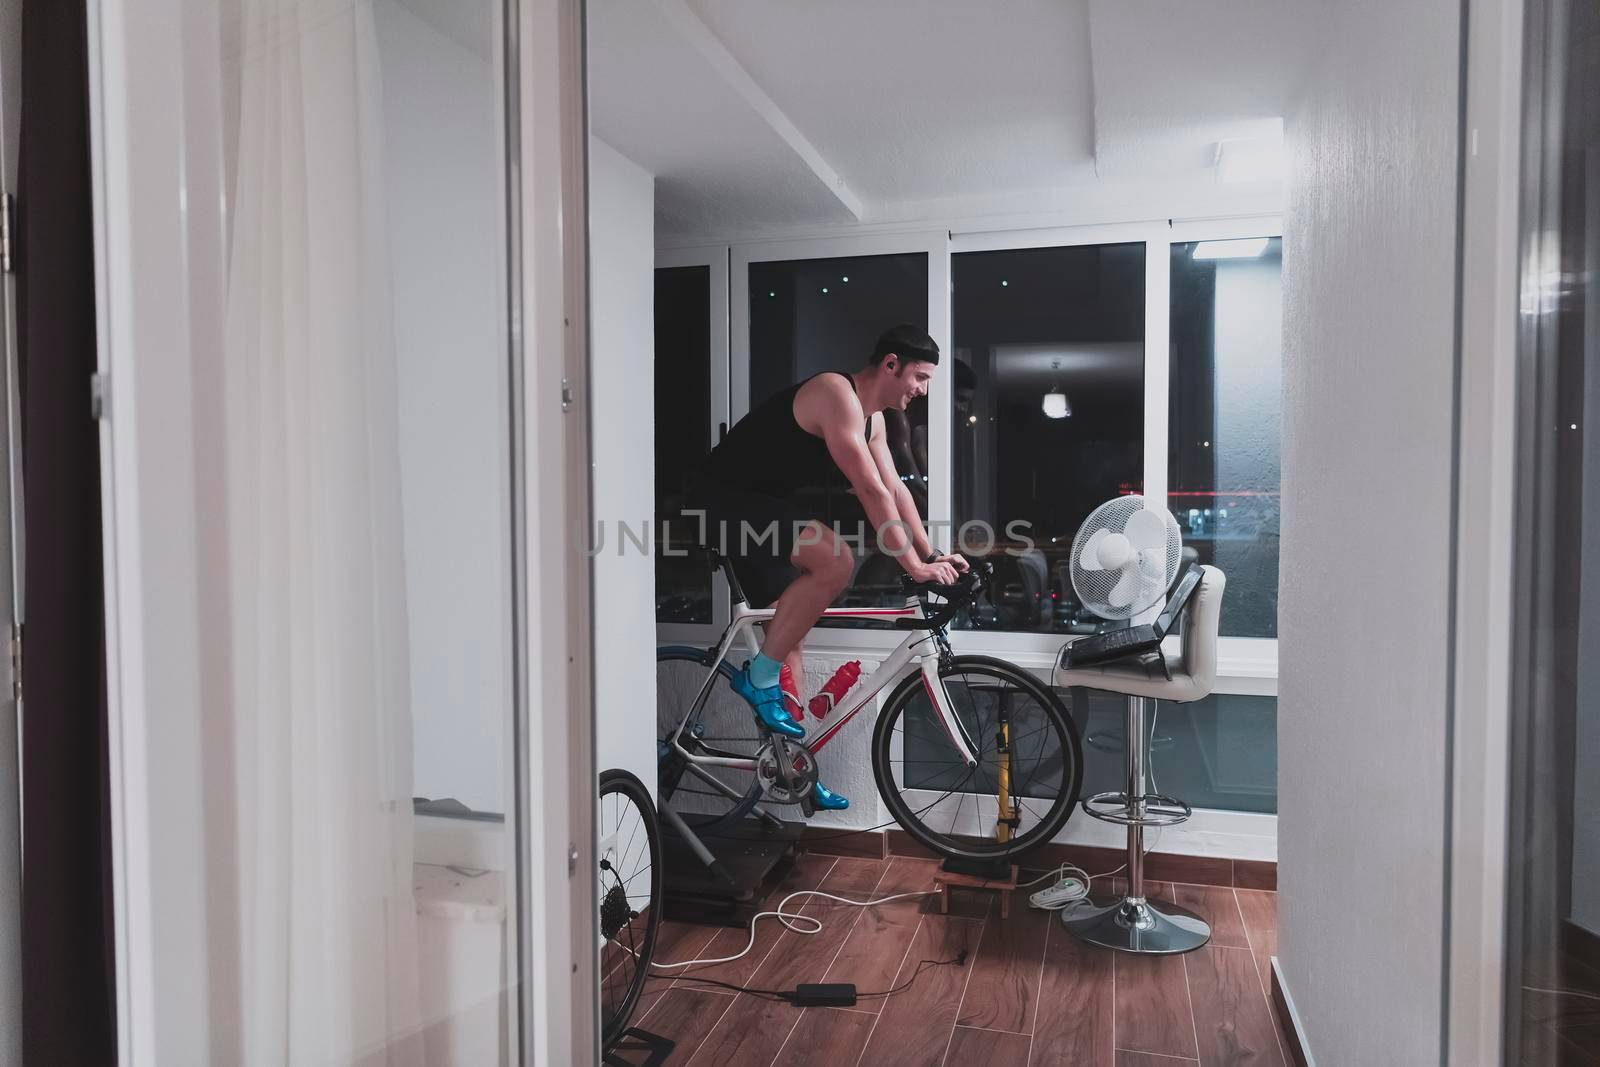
[956, 597]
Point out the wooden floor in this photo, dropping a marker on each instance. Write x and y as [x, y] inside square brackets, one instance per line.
[1028, 994]
[1560, 1029]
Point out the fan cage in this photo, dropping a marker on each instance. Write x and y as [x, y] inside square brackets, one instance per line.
[1094, 587]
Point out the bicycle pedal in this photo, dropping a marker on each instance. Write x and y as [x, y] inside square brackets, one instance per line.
[807, 808]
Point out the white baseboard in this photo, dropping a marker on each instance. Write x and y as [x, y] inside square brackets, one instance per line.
[1234, 835]
[1294, 1015]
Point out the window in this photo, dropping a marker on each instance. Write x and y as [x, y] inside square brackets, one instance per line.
[808, 316]
[682, 437]
[1048, 415]
[1223, 429]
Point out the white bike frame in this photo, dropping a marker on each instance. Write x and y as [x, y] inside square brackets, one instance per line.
[891, 670]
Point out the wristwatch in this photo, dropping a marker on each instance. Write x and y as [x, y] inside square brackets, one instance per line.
[933, 557]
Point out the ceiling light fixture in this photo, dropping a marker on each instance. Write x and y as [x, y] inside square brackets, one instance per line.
[1055, 401]
[1249, 248]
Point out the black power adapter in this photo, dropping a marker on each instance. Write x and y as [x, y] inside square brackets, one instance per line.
[825, 995]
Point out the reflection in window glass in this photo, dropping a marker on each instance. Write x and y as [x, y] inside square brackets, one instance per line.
[682, 436]
[1223, 452]
[1219, 752]
[1049, 415]
[814, 315]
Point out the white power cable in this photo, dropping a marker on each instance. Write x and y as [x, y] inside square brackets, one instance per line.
[1561, 992]
[785, 918]
[1067, 891]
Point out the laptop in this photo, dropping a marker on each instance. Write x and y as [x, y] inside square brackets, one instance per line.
[1129, 642]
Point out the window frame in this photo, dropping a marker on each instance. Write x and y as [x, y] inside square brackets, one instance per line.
[935, 244]
[715, 257]
[1238, 658]
[1153, 235]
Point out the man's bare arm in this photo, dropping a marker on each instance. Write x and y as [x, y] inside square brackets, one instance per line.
[905, 504]
[828, 406]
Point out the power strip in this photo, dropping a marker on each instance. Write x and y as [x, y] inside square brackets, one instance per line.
[1063, 894]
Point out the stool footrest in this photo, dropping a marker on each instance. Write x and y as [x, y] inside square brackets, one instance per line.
[1116, 807]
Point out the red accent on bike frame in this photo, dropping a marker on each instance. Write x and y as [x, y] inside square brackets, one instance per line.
[839, 613]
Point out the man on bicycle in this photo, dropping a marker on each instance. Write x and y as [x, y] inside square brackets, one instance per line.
[828, 427]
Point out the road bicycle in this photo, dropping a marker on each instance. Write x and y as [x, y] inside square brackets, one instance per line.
[975, 758]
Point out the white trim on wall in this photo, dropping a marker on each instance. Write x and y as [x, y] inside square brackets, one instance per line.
[1164, 206]
[155, 139]
[1229, 229]
[1236, 835]
[1486, 436]
[557, 795]
[1110, 233]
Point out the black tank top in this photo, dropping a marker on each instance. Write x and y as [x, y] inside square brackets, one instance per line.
[768, 452]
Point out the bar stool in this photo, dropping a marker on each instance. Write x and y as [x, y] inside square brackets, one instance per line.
[1131, 923]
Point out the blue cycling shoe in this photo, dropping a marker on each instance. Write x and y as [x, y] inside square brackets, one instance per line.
[825, 799]
[768, 703]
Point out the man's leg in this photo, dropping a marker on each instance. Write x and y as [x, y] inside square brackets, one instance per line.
[825, 564]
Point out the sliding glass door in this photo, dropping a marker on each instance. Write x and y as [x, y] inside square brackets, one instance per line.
[1552, 976]
[305, 244]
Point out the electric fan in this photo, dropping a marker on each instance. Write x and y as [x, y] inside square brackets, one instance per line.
[1125, 556]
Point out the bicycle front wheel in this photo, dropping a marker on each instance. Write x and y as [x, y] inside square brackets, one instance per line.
[1019, 726]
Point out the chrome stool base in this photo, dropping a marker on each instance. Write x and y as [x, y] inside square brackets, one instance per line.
[1130, 925]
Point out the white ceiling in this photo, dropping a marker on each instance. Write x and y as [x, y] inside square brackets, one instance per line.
[772, 114]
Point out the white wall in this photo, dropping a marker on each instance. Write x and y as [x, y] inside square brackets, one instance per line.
[622, 302]
[444, 182]
[1369, 243]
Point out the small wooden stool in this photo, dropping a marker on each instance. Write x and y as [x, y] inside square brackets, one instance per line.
[943, 880]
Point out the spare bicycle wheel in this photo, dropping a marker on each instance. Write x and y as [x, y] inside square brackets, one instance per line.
[629, 896]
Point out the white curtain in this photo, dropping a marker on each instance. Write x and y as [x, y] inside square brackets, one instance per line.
[328, 941]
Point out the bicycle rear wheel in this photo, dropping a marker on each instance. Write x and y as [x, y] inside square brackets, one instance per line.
[709, 799]
[629, 903]
[954, 809]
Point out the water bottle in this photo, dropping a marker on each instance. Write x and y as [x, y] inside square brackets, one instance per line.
[834, 690]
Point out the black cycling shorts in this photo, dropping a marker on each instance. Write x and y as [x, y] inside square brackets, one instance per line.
[755, 532]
